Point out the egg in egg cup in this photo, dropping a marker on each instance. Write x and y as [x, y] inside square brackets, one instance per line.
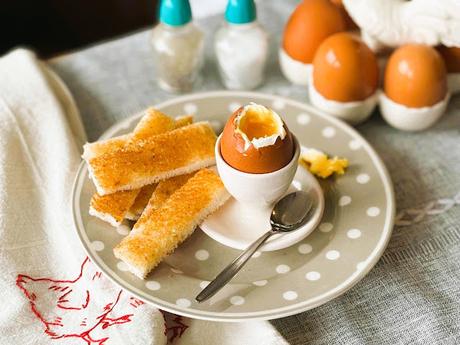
[310, 23]
[257, 158]
[344, 78]
[451, 56]
[415, 88]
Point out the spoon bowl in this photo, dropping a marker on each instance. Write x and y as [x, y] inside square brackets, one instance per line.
[291, 211]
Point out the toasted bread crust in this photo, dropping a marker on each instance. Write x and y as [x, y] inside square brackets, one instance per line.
[166, 188]
[152, 123]
[161, 230]
[113, 208]
[141, 201]
[148, 161]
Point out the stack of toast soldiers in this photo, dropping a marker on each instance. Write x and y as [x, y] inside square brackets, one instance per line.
[157, 176]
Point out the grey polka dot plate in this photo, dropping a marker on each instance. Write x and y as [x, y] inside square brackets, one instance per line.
[353, 233]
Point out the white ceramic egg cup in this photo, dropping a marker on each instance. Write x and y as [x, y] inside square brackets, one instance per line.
[295, 71]
[411, 119]
[351, 112]
[246, 216]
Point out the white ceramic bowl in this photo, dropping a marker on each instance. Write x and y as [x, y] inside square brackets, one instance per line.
[257, 190]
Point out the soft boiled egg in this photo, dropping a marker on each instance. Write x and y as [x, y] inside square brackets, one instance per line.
[256, 140]
[451, 57]
[310, 23]
[415, 88]
[345, 78]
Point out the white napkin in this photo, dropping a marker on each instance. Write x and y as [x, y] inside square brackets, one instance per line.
[50, 292]
[48, 289]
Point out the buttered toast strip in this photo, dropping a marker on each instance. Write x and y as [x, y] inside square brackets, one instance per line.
[152, 123]
[141, 201]
[148, 161]
[166, 188]
[113, 208]
[159, 231]
[157, 197]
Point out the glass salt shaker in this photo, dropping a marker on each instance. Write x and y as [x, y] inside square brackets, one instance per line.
[178, 47]
[241, 47]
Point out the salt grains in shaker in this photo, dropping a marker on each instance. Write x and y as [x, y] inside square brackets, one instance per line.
[178, 47]
[241, 47]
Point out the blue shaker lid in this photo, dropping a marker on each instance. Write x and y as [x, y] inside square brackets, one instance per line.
[240, 11]
[175, 12]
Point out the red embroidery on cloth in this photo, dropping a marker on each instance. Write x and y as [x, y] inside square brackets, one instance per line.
[67, 309]
[174, 326]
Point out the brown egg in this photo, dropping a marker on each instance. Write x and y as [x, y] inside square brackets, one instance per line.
[345, 69]
[415, 76]
[249, 159]
[310, 23]
[351, 25]
[451, 57]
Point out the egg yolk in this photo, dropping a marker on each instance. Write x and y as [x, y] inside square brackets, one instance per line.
[415, 76]
[319, 164]
[258, 124]
[345, 69]
[310, 23]
[451, 57]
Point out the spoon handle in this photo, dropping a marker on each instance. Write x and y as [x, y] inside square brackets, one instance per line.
[229, 272]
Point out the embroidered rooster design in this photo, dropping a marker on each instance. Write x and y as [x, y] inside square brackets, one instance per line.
[74, 308]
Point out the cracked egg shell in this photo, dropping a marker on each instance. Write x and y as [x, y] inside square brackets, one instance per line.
[245, 156]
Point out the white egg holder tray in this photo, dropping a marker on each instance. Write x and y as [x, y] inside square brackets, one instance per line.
[396, 115]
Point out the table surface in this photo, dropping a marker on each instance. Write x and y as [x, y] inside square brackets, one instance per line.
[413, 293]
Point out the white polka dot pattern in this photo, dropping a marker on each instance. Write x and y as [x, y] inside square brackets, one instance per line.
[332, 255]
[303, 119]
[328, 132]
[313, 276]
[190, 108]
[237, 300]
[344, 200]
[122, 266]
[354, 145]
[279, 104]
[98, 246]
[202, 255]
[305, 248]
[256, 254]
[260, 282]
[183, 302]
[204, 283]
[354, 233]
[373, 211]
[363, 178]
[326, 227]
[281, 269]
[153, 285]
[290, 295]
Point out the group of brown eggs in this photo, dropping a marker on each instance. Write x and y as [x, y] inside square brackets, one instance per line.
[322, 49]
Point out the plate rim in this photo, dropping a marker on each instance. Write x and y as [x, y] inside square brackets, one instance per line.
[271, 314]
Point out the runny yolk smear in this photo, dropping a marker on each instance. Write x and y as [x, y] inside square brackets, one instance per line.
[258, 124]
